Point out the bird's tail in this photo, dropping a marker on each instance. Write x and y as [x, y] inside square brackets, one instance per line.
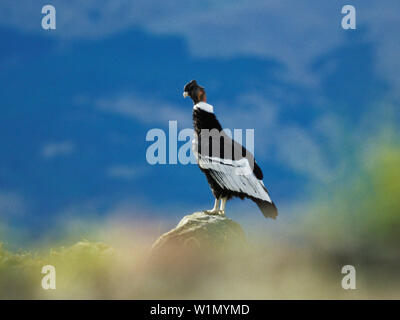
[268, 209]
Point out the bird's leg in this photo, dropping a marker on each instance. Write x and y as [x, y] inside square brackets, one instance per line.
[214, 210]
[223, 204]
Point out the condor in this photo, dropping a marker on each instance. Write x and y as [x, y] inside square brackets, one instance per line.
[230, 169]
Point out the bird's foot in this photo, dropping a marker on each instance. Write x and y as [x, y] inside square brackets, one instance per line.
[221, 213]
[212, 212]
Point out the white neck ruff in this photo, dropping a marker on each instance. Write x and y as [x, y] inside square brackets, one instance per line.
[204, 106]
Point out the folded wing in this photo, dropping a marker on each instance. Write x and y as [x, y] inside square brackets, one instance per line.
[235, 175]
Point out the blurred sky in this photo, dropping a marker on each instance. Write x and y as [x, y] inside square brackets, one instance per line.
[77, 102]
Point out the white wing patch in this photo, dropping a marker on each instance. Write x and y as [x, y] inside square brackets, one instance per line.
[234, 175]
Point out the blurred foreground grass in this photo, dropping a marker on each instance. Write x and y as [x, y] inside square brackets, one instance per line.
[354, 221]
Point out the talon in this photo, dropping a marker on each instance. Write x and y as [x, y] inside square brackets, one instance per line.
[212, 212]
[215, 210]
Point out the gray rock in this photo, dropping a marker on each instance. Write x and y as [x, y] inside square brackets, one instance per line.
[201, 232]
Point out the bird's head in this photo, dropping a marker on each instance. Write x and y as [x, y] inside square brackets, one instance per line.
[195, 92]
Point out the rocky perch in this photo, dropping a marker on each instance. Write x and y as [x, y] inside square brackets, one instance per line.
[199, 233]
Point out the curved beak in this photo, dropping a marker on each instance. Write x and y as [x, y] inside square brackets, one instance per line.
[185, 94]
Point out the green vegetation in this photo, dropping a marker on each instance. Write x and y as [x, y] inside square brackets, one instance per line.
[353, 221]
